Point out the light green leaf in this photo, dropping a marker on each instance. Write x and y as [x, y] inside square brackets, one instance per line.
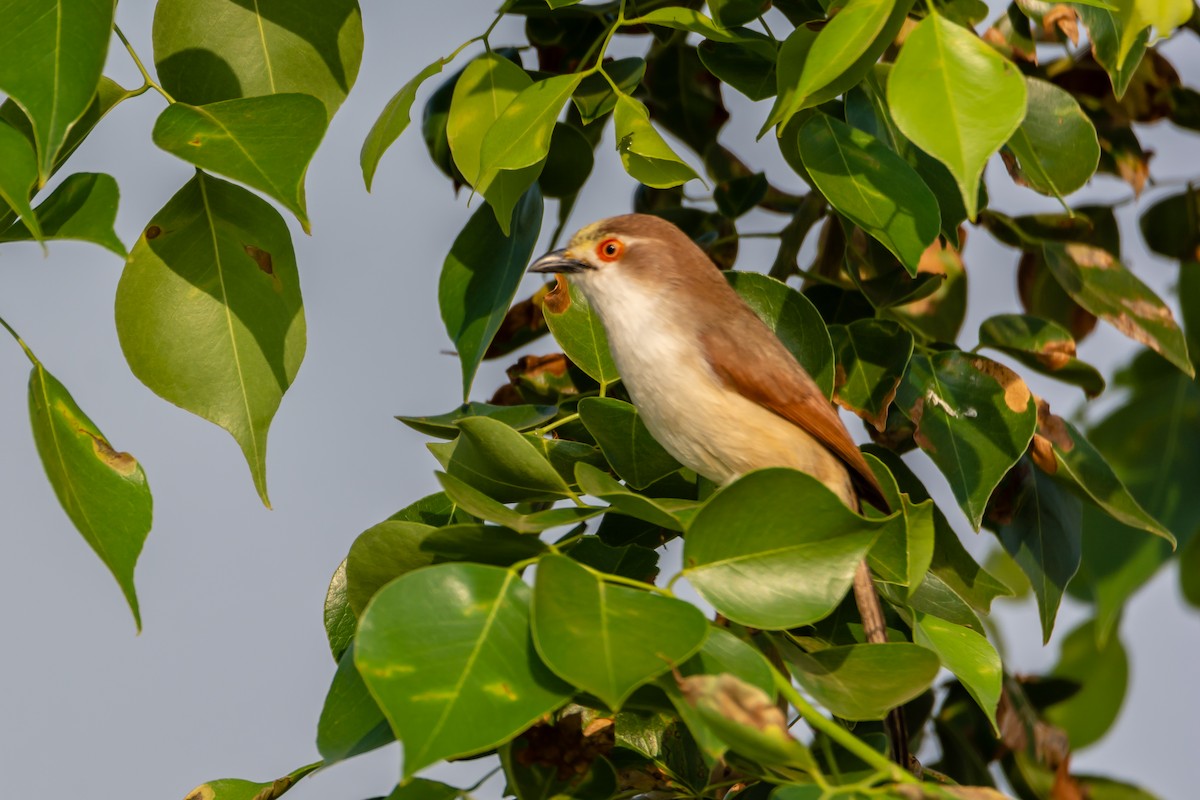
[476, 502]
[444, 426]
[955, 98]
[392, 121]
[793, 318]
[264, 142]
[1103, 675]
[872, 186]
[480, 277]
[1103, 286]
[626, 442]
[209, 313]
[18, 174]
[422, 789]
[484, 89]
[340, 622]
[969, 655]
[1043, 346]
[82, 207]
[973, 416]
[503, 464]
[447, 653]
[686, 19]
[608, 639]
[864, 681]
[595, 96]
[51, 56]
[238, 789]
[206, 51]
[103, 490]
[380, 554]
[351, 723]
[581, 335]
[646, 155]
[872, 355]
[903, 553]
[1056, 146]
[670, 513]
[775, 549]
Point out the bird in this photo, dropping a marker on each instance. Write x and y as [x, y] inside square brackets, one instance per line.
[714, 385]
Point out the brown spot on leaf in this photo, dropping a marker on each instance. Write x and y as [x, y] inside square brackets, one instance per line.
[1147, 309]
[153, 232]
[1056, 355]
[261, 257]
[734, 700]
[557, 300]
[1053, 427]
[1042, 453]
[839, 378]
[201, 792]
[597, 725]
[1090, 257]
[1016, 393]
[1061, 19]
[915, 414]
[121, 463]
[276, 789]
[196, 141]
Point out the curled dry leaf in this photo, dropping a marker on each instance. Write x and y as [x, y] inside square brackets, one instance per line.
[1053, 428]
[1061, 19]
[735, 700]
[557, 300]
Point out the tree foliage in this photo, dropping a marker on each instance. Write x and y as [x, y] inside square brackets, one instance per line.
[520, 612]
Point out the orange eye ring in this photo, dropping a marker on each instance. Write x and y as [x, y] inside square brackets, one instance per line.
[610, 250]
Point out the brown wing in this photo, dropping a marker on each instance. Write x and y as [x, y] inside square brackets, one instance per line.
[747, 358]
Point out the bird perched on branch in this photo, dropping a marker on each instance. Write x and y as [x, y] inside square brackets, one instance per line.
[712, 382]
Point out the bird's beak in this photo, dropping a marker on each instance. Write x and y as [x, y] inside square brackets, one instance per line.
[559, 261]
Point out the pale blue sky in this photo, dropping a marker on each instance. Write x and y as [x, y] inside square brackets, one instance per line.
[228, 678]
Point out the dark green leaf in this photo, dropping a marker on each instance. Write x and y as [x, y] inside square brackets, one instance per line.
[969, 655]
[1102, 285]
[667, 513]
[775, 549]
[1043, 346]
[608, 639]
[212, 50]
[872, 186]
[53, 52]
[731, 13]
[447, 653]
[392, 121]
[864, 681]
[872, 355]
[480, 278]
[422, 789]
[955, 98]
[1056, 145]
[351, 723]
[595, 97]
[209, 312]
[380, 554]
[103, 490]
[1171, 227]
[568, 163]
[1116, 44]
[444, 426]
[580, 333]
[793, 318]
[481, 544]
[748, 67]
[18, 174]
[503, 464]
[264, 142]
[1040, 525]
[738, 196]
[629, 561]
[1103, 675]
[1189, 571]
[82, 207]
[476, 502]
[646, 155]
[340, 621]
[627, 444]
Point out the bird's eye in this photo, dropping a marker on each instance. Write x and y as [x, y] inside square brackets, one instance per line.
[610, 249]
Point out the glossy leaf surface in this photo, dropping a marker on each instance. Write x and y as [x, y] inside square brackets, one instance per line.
[864, 681]
[872, 355]
[1056, 144]
[579, 332]
[392, 121]
[500, 462]
[626, 442]
[646, 155]
[969, 655]
[1043, 346]
[83, 207]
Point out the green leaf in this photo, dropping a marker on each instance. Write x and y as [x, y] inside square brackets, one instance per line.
[738, 196]
[646, 155]
[209, 313]
[1043, 346]
[444, 426]
[626, 442]
[973, 416]
[447, 653]
[53, 52]
[435, 510]
[628, 561]
[872, 355]
[669, 513]
[392, 121]
[351, 723]
[955, 98]
[1103, 286]
[595, 97]
[686, 19]
[903, 553]
[1189, 571]
[381, 553]
[568, 164]
[969, 655]
[480, 278]
[481, 544]
[1171, 227]
[238, 789]
[264, 142]
[486, 87]
[18, 174]
[775, 549]
[1056, 145]
[864, 681]
[793, 318]
[872, 186]
[1040, 525]
[748, 67]
[83, 207]
[211, 50]
[1116, 44]
[476, 502]
[731, 13]
[1103, 675]
[530, 776]
[608, 639]
[503, 464]
[340, 622]
[422, 789]
[103, 490]
[581, 335]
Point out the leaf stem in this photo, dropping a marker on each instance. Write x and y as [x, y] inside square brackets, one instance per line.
[28, 353]
[542, 431]
[147, 81]
[617, 23]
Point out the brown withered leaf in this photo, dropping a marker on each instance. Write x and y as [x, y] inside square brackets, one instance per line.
[1061, 19]
[537, 379]
[1042, 454]
[1052, 427]
[558, 299]
[735, 700]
